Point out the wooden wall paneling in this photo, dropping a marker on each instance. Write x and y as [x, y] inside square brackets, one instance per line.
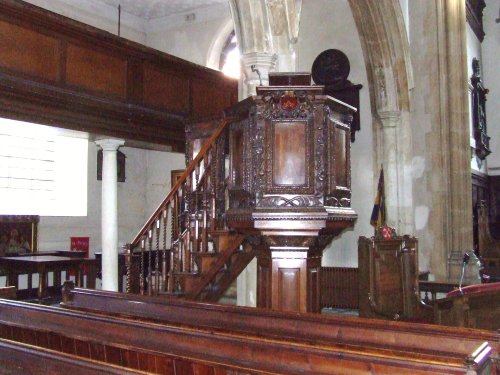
[339, 287]
[29, 52]
[94, 70]
[135, 81]
[207, 98]
[166, 90]
[60, 72]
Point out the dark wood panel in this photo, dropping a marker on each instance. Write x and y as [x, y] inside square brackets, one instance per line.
[59, 72]
[340, 156]
[165, 90]
[29, 52]
[207, 99]
[289, 153]
[96, 71]
[288, 288]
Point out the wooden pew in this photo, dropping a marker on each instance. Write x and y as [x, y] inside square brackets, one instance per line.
[394, 336]
[8, 292]
[475, 306]
[22, 359]
[228, 347]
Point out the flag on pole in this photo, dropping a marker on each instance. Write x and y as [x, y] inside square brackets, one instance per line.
[378, 214]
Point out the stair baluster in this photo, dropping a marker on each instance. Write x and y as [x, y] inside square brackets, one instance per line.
[164, 257]
[189, 216]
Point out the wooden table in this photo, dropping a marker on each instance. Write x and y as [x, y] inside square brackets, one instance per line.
[20, 265]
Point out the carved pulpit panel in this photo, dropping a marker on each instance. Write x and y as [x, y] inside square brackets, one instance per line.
[288, 164]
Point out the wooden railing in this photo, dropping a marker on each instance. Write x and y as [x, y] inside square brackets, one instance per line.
[182, 223]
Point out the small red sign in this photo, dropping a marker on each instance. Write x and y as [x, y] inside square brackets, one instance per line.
[80, 243]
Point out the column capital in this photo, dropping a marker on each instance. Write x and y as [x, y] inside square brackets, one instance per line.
[389, 119]
[110, 144]
[259, 59]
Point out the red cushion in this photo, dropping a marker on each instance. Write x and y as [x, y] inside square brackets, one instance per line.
[476, 289]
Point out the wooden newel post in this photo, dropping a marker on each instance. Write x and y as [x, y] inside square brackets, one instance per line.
[131, 265]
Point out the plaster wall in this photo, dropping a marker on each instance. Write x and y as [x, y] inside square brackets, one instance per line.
[160, 164]
[147, 182]
[99, 15]
[491, 71]
[190, 39]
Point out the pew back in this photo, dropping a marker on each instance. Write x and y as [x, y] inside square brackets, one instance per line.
[17, 358]
[408, 340]
[171, 348]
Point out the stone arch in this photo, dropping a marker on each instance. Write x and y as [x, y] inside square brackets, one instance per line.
[385, 48]
[215, 50]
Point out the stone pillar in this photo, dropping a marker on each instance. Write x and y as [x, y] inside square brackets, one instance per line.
[396, 146]
[262, 61]
[454, 205]
[109, 213]
[457, 127]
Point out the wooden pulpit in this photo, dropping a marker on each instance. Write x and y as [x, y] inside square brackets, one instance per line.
[290, 185]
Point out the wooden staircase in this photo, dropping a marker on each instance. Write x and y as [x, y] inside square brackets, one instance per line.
[185, 249]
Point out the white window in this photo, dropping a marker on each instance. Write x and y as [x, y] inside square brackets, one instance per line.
[43, 170]
[230, 57]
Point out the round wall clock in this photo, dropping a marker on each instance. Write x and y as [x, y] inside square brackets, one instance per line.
[331, 67]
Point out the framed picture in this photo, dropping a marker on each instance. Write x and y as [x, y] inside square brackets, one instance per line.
[175, 175]
[18, 234]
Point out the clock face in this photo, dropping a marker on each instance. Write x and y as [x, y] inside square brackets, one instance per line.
[331, 67]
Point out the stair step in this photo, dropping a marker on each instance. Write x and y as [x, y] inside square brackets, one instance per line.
[205, 260]
[187, 280]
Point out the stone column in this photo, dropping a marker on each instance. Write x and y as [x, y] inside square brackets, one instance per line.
[396, 146]
[109, 213]
[262, 61]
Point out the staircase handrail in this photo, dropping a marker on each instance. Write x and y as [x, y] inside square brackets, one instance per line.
[189, 170]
